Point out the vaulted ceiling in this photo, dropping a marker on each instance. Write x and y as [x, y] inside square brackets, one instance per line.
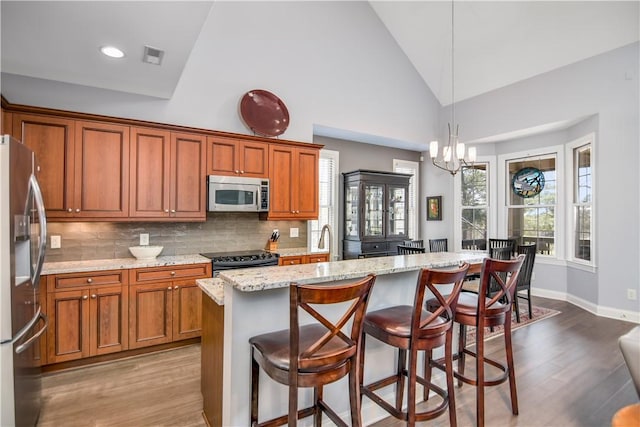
[495, 43]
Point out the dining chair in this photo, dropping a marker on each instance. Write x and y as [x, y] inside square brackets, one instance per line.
[524, 278]
[438, 245]
[406, 250]
[410, 329]
[314, 354]
[480, 312]
[500, 243]
[415, 243]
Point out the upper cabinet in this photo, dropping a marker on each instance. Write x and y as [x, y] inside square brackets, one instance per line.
[6, 123]
[235, 157]
[52, 141]
[293, 182]
[167, 174]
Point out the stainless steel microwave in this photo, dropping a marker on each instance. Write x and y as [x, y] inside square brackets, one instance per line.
[237, 194]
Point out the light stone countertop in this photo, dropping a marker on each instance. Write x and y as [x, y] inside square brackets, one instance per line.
[262, 278]
[119, 263]
[298, 252]
[213, 288]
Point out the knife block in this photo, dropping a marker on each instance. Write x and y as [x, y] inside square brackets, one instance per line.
[272, 246]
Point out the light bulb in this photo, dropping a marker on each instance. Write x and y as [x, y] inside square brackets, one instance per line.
[460, 150]
[433, 149]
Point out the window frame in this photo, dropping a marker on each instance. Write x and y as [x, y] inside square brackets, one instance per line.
[413, 221]
[588, 139]
[560, 215]
[492, 183]
[335, 217]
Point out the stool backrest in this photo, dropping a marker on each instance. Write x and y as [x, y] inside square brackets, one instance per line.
[502, 276]
[435, 281]
[438, 245]
[414, 243]
[501, 243]
[339, 343]
[405, 250]
[524, 278]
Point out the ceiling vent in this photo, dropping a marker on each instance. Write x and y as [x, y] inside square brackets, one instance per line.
[152, 55]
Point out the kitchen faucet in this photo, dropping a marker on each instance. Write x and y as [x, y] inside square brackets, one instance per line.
[321, 244]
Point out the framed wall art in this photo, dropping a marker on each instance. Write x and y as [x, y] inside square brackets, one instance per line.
[434, 208]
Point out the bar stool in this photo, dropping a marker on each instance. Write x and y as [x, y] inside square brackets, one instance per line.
[412, 329]
[315, 354]
[481, 311]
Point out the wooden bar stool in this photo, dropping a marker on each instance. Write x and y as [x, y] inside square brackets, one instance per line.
[412, 329]
[481, 311]
[315, 354]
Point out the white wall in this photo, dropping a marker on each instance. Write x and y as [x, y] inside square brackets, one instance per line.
[332, 63]
[605, 89]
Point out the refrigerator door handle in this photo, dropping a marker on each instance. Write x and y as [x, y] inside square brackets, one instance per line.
[22, 347]
[33, 183]
[26, 328]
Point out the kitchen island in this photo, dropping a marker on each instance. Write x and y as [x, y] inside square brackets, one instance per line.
[247, 302]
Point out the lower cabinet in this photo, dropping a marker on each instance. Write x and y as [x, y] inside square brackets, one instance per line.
[165, 304]
[303, 259]
[88, 315]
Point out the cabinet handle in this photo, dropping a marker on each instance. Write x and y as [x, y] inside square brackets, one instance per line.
[69, 210]
[89, 280]
[85, 297]
[175, 287]
[94, 296]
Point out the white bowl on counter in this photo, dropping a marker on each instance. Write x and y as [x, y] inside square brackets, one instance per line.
[144, 253]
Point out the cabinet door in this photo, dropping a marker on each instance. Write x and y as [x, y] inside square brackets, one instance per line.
[52, 141]
[6, 123]
[397, 211]
[150, 321]
[374, 207]
[109, 314]
[188, 176]
[281, 183]
[254, 159]
[306, 199]
[187, 310]
[68, 332]
[150, 158]
[101, 170]
[222, 156]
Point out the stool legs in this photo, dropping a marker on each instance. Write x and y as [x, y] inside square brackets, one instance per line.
[510, 365]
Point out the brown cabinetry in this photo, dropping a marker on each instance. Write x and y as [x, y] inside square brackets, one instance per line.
[303, 259]
[165, 304]
[6, 123]
[229, 156]
[293, 182]
[87, 313]
[167, 174]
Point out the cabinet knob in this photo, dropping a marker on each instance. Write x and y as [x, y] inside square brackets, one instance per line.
[169, 288]
[166, 210]
[175, 287]
[85, 297]
[89, 280]
[173, 273]
[69, 210]
[237, 171]
[94, 296]
[241, 171]
[173, 211]
[77, 210]
[291, 262]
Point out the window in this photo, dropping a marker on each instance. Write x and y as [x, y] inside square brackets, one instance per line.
[328, 206]
[474, 201]
[580, 200]
[412, 168]
[533, 219]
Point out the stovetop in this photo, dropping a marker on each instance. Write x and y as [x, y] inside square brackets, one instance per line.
[241, 256]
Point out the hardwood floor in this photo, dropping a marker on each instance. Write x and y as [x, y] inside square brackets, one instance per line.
[569, 373]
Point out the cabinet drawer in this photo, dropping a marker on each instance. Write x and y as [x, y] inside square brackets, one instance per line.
[159, 274]
[93, 278]
[375, 247]
[291, 260]
[318, 258]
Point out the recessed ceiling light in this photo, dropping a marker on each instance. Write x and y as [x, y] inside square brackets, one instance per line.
[112, 51]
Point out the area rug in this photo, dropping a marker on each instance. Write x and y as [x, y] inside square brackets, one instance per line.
[539, 313]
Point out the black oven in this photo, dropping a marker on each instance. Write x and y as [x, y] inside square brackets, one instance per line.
[240, 259]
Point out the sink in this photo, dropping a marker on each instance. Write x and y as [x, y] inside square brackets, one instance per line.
[145, 252]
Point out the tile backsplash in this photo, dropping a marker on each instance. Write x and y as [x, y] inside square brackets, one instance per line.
[221, 232]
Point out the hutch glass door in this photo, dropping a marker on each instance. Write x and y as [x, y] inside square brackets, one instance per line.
[351, 211]
[373, 210]
[397, 211]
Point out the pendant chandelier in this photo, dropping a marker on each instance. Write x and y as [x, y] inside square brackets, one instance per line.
[453, 155]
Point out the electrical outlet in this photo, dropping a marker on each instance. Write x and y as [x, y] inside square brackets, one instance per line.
[632, 295]
[56, 242]
[144, 239]
[293, 232]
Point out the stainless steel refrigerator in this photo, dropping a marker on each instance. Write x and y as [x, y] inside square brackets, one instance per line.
[23, 232]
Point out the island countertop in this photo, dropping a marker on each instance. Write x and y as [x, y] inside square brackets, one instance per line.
[263, 278]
